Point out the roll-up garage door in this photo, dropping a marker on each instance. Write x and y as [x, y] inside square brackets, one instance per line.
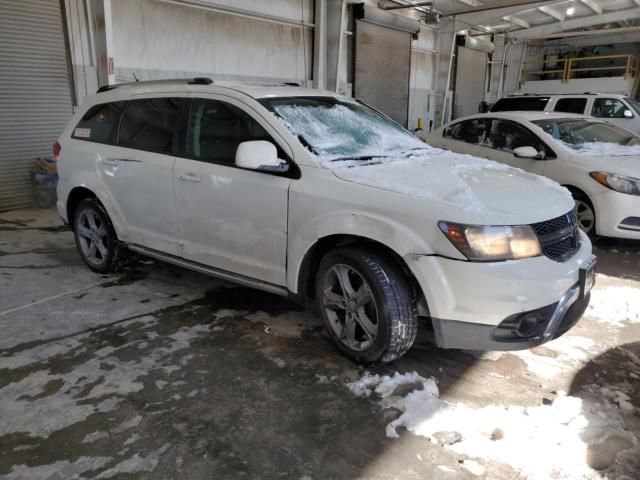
[35, 97]
[470, 81]
[382, 69]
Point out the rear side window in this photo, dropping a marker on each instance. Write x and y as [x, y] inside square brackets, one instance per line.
[474, 131]
[571, 105]
[99, 122]
[511, 104]
[149, 124]
[216, 129]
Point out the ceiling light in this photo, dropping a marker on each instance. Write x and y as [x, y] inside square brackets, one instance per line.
[572, 9]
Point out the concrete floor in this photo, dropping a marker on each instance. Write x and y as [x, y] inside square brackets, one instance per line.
[162, 373]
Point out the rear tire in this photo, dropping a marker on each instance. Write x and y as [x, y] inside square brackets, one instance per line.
[96, 238]
[367, 305]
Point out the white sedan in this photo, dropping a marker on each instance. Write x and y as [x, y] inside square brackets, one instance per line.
[597, 161]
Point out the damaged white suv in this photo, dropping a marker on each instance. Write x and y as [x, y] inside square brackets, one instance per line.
[319, 197]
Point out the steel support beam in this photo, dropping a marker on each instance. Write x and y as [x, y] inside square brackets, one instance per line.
[441, 6]
[544, 30]
[597, 9]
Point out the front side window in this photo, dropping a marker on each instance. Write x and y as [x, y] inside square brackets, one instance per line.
[591, 135]
[98, 123]
[570, 105]
[216, 129]
[608, 108]
[507, 136]
[474, 131]
[337, 129]
[149, 124]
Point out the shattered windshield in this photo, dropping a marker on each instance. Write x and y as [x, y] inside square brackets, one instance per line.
[336, 129]
[591, 136]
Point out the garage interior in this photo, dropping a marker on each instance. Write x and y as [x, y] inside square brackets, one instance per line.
[159, 372]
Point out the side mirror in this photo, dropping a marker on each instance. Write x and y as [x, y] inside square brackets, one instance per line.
[259, 155]
[627, 114]
[525, 152]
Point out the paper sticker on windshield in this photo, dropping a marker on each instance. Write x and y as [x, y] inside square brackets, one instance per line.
[82, 133]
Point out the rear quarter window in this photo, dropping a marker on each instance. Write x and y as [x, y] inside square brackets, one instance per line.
[511, 104]
[99, 122]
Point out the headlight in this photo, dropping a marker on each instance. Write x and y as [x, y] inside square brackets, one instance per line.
[619, 183]
[492, 243]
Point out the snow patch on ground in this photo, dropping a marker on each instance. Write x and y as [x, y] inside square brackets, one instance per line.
[63, 469]
[615, 305]
[507, 434]
[136, 464]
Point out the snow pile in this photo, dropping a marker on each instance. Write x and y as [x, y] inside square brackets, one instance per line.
[516, 436]
[615, 305]
[604, 149]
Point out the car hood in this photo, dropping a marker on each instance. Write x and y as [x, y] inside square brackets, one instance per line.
[624, 165]
[480, 190]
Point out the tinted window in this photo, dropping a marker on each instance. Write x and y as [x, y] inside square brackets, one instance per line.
[473, 131]
[511, 104]
[216, 129]
[508, 136]
[608, 108]
[149, 124]
[571, 105]
[99, 122]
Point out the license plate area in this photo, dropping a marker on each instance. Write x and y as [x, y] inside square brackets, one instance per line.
[587, 278]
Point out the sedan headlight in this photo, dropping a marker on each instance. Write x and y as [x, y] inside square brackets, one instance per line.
[481, 243]
[619, 183]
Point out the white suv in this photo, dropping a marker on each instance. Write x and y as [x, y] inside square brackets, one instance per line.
[618, 109]
[319, 197]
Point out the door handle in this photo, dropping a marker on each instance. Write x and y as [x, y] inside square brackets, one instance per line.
[189, 177]
[110, 162]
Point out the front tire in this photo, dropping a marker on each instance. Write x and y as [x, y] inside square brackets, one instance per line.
[96, 238]
[586, 214]
[367, 305]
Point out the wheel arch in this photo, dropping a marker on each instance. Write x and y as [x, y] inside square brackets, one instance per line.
[311, 259]
[76, 195]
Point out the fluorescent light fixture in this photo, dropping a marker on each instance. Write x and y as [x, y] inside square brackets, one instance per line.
[572, 8]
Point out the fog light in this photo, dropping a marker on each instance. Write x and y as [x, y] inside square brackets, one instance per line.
[528, 325]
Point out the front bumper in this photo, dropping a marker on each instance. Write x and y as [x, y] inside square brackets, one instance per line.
[556, 320]
[617, 215]
[467, 301]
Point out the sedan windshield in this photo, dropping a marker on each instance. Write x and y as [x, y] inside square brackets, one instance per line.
[591, 136]
[341, 129]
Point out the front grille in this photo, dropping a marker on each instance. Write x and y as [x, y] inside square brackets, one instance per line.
[559, 237]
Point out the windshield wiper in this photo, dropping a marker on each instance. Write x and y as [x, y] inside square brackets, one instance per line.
[358, 157]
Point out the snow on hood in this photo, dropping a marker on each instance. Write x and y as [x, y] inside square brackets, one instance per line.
[603, 149]
[472, 184]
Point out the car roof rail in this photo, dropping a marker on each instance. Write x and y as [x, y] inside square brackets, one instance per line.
[188, 81]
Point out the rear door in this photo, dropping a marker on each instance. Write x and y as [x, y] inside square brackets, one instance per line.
[138, 170]
[229, 218]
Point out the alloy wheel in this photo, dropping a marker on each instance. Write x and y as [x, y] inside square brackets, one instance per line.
[350, 307]
[92, 235]
[586, 216]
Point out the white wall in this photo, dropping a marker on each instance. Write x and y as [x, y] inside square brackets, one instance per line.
[154, 39]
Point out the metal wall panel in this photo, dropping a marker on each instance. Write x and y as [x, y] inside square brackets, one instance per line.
[470, 81]
[382, 69]
[35, 97]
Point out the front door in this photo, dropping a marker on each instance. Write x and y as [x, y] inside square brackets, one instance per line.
[229, 218]
[617, 112]
[505, 136]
